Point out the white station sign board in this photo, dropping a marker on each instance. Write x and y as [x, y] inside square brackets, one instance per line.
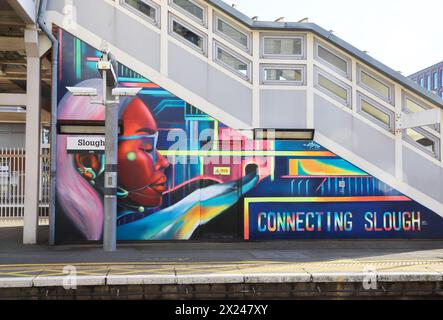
[85, 144]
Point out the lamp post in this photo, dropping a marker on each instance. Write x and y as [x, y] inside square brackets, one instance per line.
[111, 145]
[111, 99]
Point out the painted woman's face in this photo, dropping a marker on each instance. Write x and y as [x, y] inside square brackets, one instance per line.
[140, 165]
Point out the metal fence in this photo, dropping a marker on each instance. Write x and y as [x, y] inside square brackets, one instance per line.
[12, 186]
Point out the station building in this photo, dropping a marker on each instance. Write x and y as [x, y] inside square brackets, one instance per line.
[244, 130]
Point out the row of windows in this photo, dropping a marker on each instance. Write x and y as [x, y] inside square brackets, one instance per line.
[293, 47]
[272, 46]
[288, 74]
[366, 79]
[431, 83]
[422, 138]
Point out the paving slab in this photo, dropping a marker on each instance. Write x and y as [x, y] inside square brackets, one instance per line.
[409, 276]
[71, 275]
[213, 278]
[142, 279]
[340, 277]
[272, 268]
[16, 282]
[190, 269]
[277, 277]
[208, 274]
[140, 274]
[67, 281]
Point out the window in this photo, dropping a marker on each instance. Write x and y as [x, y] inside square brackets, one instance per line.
[232, 33]
[435, 84]
[45, 136]
[275, 74]
[375, 85]
[441, 77]
[187, 34]
[422, 83]
[428, 82]
[232, 61]
[375, 112]
[283, 47]
[411, 105]
[191, 8]
[333, 59]
[423, 140]
[145, 8]
[332, 87]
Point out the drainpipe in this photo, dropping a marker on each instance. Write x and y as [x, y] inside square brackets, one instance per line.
[47, 31]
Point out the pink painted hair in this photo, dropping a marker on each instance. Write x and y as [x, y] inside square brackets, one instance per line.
[81, 202]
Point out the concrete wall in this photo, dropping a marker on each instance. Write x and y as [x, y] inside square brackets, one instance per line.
[422, 174]
[282, 109]
[354, 134]
[211, 84]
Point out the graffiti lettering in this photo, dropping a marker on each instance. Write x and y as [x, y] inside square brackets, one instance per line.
[393, 221]
[304, 221]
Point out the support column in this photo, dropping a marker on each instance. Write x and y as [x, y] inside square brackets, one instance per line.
[256, 121]
[310, 81]
[32, 165]
[111, 156]
[398, 135]
[164, 46]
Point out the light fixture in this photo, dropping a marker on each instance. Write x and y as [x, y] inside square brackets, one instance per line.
[82, 91]
[128, 92]
[83, 128]
[284, 134]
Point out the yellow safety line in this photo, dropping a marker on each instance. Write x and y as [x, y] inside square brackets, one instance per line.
[222, 263]
[133, 263]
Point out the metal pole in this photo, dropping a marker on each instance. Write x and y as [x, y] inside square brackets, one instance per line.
[54, 83]
[110, 184]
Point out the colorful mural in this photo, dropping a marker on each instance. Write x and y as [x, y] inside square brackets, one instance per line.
[183, 175]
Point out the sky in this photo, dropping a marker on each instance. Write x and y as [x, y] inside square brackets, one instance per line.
[405, 35]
